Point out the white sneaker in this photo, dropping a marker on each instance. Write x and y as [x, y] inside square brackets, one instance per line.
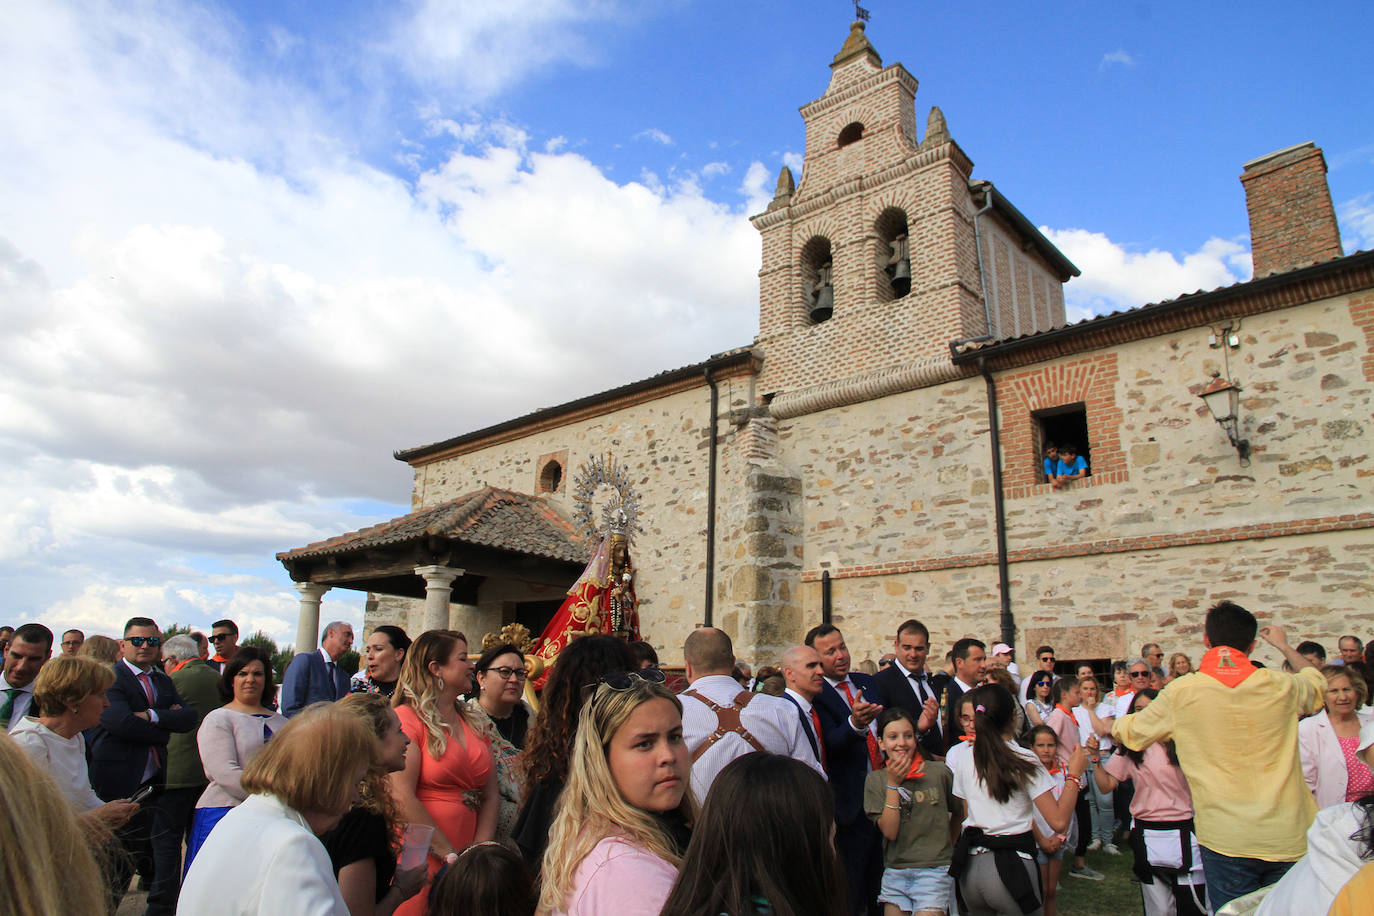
[1094, 846]
[1110, 849]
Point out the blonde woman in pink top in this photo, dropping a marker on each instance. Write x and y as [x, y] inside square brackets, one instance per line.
[1167, 860]
[621, 829]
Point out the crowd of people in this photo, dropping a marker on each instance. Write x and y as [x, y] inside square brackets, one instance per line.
[426, 783]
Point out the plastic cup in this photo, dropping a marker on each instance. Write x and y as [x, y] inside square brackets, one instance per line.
[415, 845]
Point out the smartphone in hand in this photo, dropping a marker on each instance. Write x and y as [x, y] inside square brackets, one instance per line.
[142, 795]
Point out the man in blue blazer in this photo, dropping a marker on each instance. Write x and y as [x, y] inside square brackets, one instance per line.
[907, 683]
[848, 710]
[129, 747]
[314, 677]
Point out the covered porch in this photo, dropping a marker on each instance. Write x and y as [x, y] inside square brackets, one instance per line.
[443, 554]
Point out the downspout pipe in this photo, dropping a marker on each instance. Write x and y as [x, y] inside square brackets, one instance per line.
[990, 333]
[1008, 620]
[708, 605]
[826, 610]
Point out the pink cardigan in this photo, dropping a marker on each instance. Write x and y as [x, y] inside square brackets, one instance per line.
[1323, 764]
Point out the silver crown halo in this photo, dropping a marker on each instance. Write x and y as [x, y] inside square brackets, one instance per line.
[619, 514]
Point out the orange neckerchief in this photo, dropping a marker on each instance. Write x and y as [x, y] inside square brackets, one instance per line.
[1054, 770]
[180, 666]
[1230, 666]
[1065, 710]
[918, 767]
[219, 658]
[966, 737]
[1122, 691]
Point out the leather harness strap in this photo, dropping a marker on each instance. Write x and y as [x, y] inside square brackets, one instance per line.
[727, 722]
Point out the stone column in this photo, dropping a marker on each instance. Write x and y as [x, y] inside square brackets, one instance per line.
[308, 625]
[438, 586]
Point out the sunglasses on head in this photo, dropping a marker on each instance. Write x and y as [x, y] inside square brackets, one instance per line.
[138, 641]
[625, 680]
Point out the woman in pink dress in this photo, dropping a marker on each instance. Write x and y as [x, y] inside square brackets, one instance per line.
[448, 780]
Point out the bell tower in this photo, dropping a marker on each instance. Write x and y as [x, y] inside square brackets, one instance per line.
[873, 260]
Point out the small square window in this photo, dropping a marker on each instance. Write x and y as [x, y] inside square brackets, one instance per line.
[1060, 426]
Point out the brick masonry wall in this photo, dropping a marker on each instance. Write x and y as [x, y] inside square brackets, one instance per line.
[1292, 222]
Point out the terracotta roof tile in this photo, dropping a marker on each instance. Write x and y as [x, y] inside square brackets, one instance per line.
[490, 517]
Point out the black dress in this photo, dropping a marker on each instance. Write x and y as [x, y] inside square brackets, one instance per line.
[361, 835]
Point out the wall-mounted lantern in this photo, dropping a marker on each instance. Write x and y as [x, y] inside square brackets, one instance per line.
[1223, 400]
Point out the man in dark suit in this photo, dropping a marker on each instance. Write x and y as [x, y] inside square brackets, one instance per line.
[848, 709]
[907, 683]
[970, 662]
[314, 677]
[805, 678]
[128, 748]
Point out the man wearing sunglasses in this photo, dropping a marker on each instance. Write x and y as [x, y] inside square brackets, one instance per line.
[128, 749]
[1137, 679]
[224, 639]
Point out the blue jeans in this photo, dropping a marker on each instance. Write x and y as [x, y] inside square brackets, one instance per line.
[1229, 877]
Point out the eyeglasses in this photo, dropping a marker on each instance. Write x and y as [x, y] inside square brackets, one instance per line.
[505, 673]
[138, 641]
[216, 637]
[1140, 674]
[625, 680]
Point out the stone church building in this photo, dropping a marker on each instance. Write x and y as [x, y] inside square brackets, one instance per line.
[875, 453]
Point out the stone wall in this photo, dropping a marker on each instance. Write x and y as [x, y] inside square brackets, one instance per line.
[897, 493]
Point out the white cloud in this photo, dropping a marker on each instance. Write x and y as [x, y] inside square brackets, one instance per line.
[474, 49]
[656, 135]
[216, 323]
[756, 188]
[1117, 58]
[1356, 217]
[1116, 277]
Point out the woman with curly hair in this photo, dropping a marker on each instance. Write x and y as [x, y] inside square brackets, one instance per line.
[622, 820]
[548, 749]
[364, 847]
[448, 780]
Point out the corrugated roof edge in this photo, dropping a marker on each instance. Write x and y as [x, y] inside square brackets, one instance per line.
[729, 358]
[963, 352]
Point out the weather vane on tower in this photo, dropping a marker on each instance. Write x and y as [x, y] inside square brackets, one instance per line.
[859, 12]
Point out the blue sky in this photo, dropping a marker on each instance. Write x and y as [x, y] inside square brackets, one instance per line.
[247, 250]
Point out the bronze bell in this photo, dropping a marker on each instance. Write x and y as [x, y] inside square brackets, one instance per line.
[824, 305]
[901, 278]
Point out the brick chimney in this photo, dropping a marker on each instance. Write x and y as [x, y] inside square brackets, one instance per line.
[1292, 222]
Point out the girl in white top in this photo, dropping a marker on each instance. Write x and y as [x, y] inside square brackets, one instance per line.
[1095, 718]
[1001, 783]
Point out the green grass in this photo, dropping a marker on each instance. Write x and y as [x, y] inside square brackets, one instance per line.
[1116, 896]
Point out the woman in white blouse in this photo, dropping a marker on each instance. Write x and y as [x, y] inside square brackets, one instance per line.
[69, 696]
[230, 736]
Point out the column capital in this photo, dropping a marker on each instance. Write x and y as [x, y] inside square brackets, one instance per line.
[438, 575]
[311, 591]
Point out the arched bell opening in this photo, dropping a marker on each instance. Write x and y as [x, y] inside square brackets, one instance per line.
[893, 254]
[852, 131]
[818, 292]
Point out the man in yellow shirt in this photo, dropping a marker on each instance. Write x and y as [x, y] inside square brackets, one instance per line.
[1235, 727]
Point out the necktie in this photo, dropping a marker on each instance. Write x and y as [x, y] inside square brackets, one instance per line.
[146, 680]
[874, 757]
[333, 679]
[7, 710]
[820, 739]
[920, 680]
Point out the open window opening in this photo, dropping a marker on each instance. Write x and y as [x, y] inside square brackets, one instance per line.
[550, 477]
[1066, 425]
[893, 254]
[817, 288]
[852, 132]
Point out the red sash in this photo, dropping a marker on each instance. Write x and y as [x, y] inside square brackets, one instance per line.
[1227, 665]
